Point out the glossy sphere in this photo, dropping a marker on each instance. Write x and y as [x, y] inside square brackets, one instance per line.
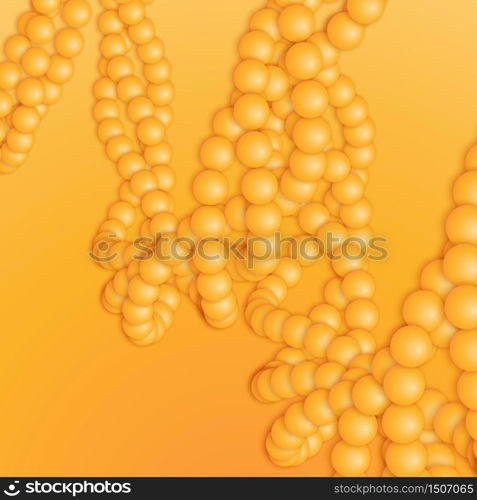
[406, 459]
[303, 61]
[307, 167]
[131, 12]
[251, 111]
[296, 23]
[6, 103]
[25, 119]
[61, 69]
[76, 13]
[465, 189]
[69, 42]
[311, 135]
[461, 224]
[411, 346]
[254, 149]
[357, 429]
[15, 47]
[312, 216]
[40, 29]
[217, 153]
[461, 307]
[460, 264]
[251, 76]
[263, 219]
[350, 460]
[210, 187]
[225, 125]
[45, 6]
[403, 424]
[259, 186]
[30, 92]
[365, 11]
[309, 99]
[404, 386]
[150, 131]
[257, 45]
[463, 350]
[369, 397]
[425, 309]
[343, 32]
[434, 279]
[466, 389]
[208, 222]
[35, 61]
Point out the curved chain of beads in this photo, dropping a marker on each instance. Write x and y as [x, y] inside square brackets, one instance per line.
[38, 62]
[341, 389]
[301, 178]
[140, 290]
[322, 189]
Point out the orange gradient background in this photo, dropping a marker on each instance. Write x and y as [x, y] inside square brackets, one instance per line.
[77, 399]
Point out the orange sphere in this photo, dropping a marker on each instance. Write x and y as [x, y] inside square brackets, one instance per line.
[461, 225]
[466, 389]
[403, 424]
[307, 167]
[343, 32]
[433, 278]
[461, 307]
[309, 99]
[259, 186]
[208, 222]
[303, 61]
[411, 346]
[311, 135]
[369, 397]
[296, 23]
[76, 13]
[404, 386]
[405, 460]
[251, 111]
[464, 190]
[425, 309]
[257, 45]
[350, 460]
[366, 11]
[251, 76]
[460, 264]
[463, 350]
[356, 428]
[210, 187]
[263, 219]
[254, 149]
[224, 125]
[40, 29]
[30, 92]
[35, 61]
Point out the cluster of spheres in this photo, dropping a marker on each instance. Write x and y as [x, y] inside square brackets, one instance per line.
[38, 62]
[301, 135]
[142, 291]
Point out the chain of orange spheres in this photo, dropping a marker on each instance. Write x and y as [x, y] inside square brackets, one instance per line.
[280, 96]
[38, 62]
[142, 292]
[287, 78]
[323, 188]
[347, 391]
